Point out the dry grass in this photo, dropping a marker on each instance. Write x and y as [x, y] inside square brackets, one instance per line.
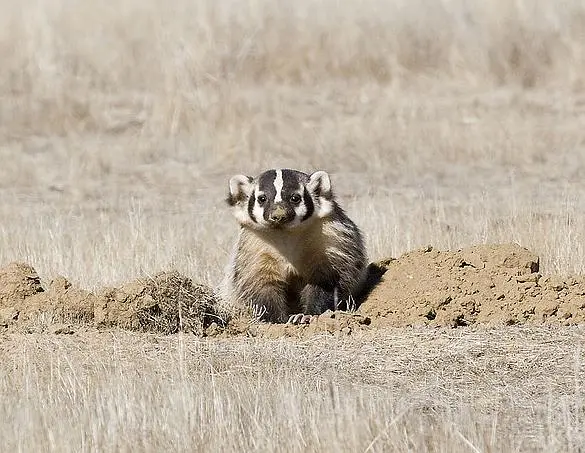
[446, 122]
[119, 125]
[455, 390]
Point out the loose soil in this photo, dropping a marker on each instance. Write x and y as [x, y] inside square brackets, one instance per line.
[487, 284]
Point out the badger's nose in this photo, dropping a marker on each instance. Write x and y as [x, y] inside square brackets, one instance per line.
[278, 214]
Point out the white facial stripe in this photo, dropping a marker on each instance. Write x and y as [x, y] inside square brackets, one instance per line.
[278, 183]
[300, 211]
[258, 210]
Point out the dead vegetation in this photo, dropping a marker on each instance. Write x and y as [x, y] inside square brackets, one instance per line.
[456, 123]
[167, 303]
[429, 389]
[157, 71]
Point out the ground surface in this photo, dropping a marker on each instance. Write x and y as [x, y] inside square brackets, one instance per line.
[456, 124]
[490, 285]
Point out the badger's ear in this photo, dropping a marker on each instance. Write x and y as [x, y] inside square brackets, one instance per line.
[240, 188]
[320, 185]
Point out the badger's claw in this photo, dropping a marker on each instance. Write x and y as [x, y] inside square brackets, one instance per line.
[299, 318]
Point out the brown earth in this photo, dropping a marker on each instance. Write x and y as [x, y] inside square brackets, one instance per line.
[166, 303]
[486, 284]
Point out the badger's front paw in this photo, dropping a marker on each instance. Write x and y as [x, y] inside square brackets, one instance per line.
[300, 318]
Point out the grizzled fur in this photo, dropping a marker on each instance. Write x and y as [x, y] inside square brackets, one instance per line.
[297, 251]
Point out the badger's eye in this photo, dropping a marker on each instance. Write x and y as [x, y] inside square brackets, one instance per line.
[295, 198]
[261, 199]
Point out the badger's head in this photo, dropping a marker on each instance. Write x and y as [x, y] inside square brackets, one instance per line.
[280, 198]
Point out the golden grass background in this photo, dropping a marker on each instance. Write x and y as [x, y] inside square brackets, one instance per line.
[442, 122]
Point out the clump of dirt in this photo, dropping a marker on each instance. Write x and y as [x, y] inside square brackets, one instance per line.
[24, 300]
[17, 282]
[336, 323]
[166, 303]
[487, 284]
[60, 303]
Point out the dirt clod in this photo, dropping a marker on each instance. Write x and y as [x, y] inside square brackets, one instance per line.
[17, 282]
[167, 303]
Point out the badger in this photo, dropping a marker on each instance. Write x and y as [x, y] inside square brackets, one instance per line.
[298, 254]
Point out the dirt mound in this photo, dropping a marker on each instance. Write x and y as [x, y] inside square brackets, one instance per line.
[488, 284]
[167, 303]
[62, 302]
[23, 299]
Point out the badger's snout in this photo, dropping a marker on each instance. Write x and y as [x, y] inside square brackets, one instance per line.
[279, 215]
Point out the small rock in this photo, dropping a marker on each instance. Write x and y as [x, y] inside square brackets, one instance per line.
[472, 260]
[212, 330]
[327, 315]
[60, 283]
[8, 316]
[528, 278]
[62, 329]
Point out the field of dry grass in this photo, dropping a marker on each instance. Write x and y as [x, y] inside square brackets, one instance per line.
[443, 122]
[397, 390]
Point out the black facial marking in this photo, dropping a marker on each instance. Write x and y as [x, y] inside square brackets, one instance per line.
[308, 204]
[266, 185]
[293, 182]
[290, 182]
[295, 198]
[251, 203]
